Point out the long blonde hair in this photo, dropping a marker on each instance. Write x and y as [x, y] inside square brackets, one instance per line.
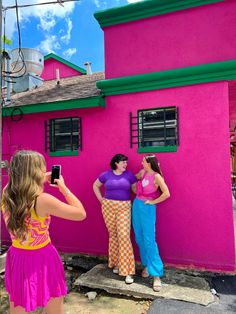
[26, 177]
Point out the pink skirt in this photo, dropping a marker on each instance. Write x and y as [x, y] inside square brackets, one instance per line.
[32, 277]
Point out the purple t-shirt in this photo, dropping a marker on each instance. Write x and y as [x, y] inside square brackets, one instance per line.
[117, 187]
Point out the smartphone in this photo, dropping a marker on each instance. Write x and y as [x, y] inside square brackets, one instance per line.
[56, 172]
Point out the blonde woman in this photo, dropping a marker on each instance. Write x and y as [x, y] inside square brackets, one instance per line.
[34, 272]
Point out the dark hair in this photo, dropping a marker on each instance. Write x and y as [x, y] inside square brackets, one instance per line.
[117, 158]
[152, 160]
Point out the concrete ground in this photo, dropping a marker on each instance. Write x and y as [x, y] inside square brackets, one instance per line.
[183, 292]
[225, 287]
[77, 302]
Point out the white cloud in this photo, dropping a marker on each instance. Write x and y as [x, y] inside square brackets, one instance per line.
[66, 38]
[47, 14]
[100, 4]
[50, 44]
[69, 52]
[47, 22]
[96, 2]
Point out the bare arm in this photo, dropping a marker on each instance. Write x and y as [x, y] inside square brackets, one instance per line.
[96, 188]
[48, 204]
[139, 175]
[134, 188]
[159, 181]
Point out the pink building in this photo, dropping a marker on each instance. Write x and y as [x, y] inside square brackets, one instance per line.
[170, 69]
[54, 63]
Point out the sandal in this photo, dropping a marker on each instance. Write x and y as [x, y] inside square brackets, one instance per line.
[156, 284]
[145, 273]
[129, 279]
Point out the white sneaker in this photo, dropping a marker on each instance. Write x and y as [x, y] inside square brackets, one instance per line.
[129, 279]
[115, 270]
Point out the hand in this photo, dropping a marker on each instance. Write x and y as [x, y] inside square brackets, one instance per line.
[148, 202]
[60, 184]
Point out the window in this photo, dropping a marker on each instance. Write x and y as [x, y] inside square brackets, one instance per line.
[63, 136]
[157, 129]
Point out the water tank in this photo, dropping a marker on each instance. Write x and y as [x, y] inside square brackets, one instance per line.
[33, 60]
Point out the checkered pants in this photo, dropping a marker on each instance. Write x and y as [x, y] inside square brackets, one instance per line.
[117, 217]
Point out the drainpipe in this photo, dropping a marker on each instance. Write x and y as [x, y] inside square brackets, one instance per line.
[8, 79]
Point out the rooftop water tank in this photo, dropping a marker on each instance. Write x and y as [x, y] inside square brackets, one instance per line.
[27, 72]
[33, 60]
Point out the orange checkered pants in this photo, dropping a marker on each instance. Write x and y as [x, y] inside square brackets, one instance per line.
[117, 217]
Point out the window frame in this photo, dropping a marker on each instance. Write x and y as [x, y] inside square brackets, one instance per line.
[155, 148]
[50, 137]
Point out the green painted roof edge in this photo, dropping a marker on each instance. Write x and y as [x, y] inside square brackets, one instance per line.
[68, 63]
[145, 9]
[97, 101]
[205, 73]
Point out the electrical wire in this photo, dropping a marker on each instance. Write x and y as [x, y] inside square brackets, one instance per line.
[35, 4]
[6, 75]
[20, 53]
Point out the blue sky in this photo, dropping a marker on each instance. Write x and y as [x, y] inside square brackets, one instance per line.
[71, 31]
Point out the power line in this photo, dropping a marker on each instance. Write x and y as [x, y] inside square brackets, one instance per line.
[61, 2]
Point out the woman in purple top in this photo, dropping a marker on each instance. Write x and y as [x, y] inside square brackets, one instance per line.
[116, 210]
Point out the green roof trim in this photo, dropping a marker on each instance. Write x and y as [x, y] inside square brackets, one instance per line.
[157, 149]
[98, 101]
[145, 9]
[205, 73]
[68, 63]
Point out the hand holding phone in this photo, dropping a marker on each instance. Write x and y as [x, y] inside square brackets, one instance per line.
[56, 172]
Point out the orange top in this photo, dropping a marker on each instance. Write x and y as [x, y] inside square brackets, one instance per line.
[37, 235]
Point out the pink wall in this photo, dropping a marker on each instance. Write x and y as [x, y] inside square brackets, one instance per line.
[50, 66]
[232, 105]
[185, 38]
[194, 226]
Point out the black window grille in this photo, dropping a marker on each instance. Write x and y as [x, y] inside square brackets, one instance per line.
[155, 127]
[63, 134]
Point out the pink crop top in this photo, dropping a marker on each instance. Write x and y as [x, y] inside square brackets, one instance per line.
[146, 188]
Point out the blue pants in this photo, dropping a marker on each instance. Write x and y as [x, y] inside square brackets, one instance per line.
[144, 224]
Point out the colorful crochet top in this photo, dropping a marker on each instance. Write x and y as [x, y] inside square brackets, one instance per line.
[37, 235]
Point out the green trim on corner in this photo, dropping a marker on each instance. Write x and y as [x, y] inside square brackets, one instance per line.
[68, 63]
[145, 9]
[97, 101]
[64, 153]
[205, 73]
[156, 149]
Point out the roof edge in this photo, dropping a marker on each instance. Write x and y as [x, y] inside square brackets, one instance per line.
[145, 9]
[95, 101]
[204, 73]
[68, 63]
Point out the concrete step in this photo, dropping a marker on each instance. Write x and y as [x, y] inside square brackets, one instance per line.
[175, 286]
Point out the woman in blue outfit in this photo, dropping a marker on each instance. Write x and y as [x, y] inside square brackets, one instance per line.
[150, 184]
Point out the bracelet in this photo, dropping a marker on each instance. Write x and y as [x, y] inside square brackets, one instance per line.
[67, 192]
